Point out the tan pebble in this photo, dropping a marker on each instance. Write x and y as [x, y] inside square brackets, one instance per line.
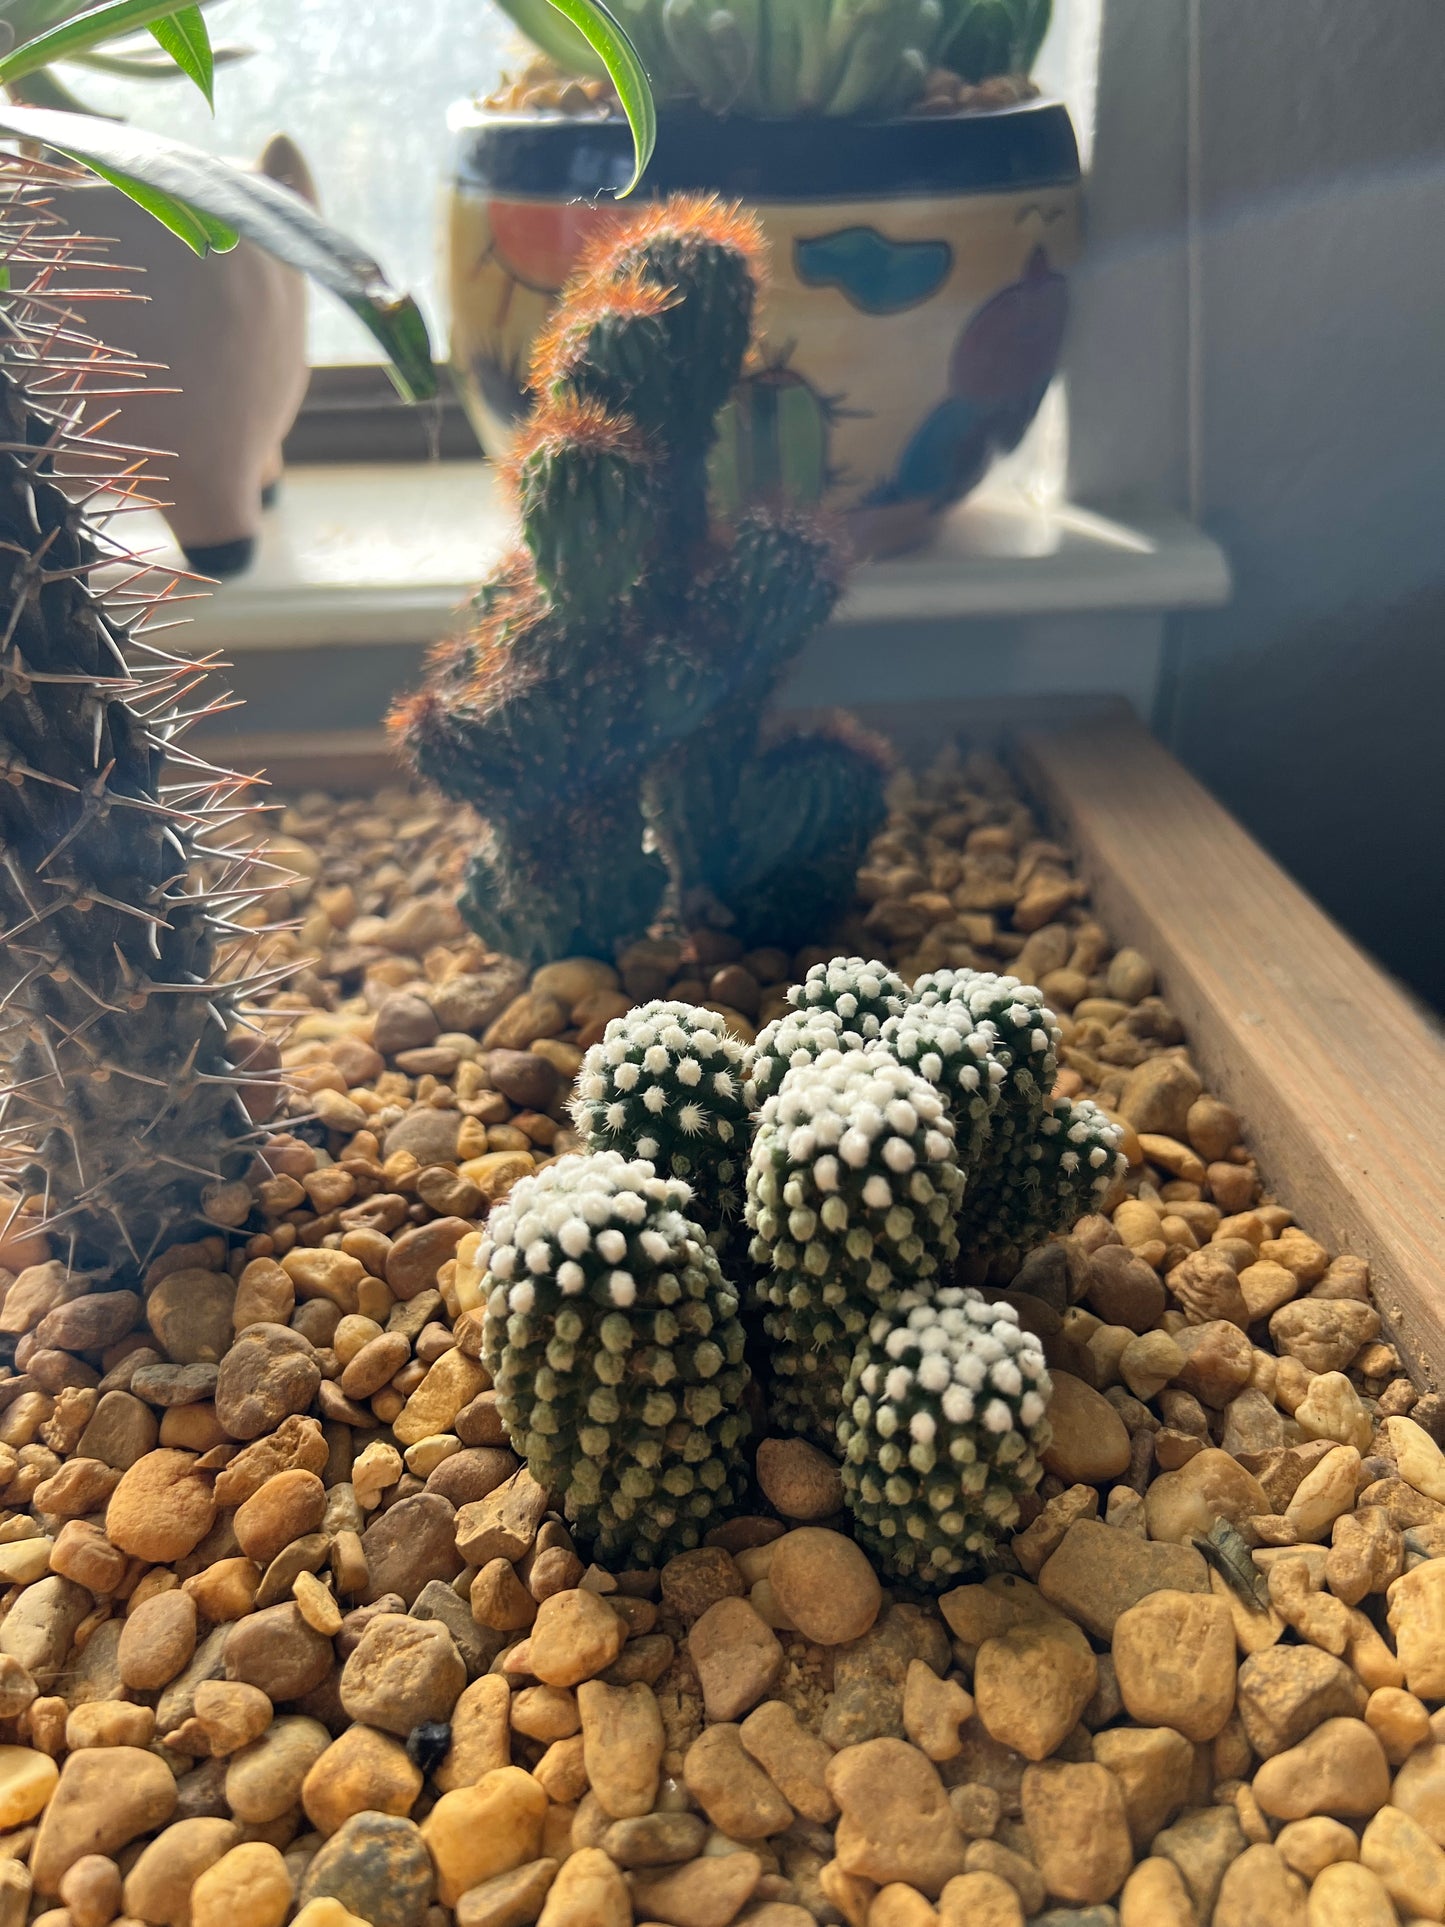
[161, 1509]
[545, 1713]
[318, 1604]
[1409, 1863]
[1308, 1845]
[90, 1891]
[1331, 1409]
[1417, 1619]
[898, 1906]
[453, 1381]
[1079, 1830]
[158, 1886]
[1174, 1654]
[896, 1823]
[737, 1657]
[589, 1891]
[1031, 1684]
[798, 1480]
[326, 1912]
[109, 1723]
[1259, 1889]
[500, 1600]
[508, 1899]
[1340, 1769]
[25, 1560]
[157, 1640]
[477, 1831]
[576, 1636]
[1154, 1767]
[1324, 1493]
[480, 1737]
[1266, 1287]
[1180, 1506]
[231, 1714]
[1400, 1721]
[263, 1780]
[1418, 1459]
[825, 1585]
[402, 1671]
[27, 1780]
[562, 1771]
[656, 1840]
[979, 1900]
[731, 1788]
[1348, 1895]
[933, 1711]
[247, 1887]
[106, 1797]
[1322, 1333]
[1089, 1444]
[795, 1760]
[622, 1742]
[1367, 1554]
[703, 1893]
[504, 1523]
[1155, 1895]
[287, 1506]
[1285, 1692]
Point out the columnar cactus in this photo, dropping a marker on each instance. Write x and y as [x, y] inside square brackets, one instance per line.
[667, 1082]
[958, 1055]
[853, 1193]
[942, 1424]
[615, 1349]
[617, 670]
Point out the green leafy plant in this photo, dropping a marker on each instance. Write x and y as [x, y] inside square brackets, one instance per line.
[617, 674]
[784, 58]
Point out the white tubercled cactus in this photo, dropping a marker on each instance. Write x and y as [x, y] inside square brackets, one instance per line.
[864, 993]
[798, 1037]
[958, 1055]
[615, 1349]
[853, 1193]
[667, 1082]
[943, 1421]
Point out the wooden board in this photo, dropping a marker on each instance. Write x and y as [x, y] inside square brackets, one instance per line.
[1339, 1077]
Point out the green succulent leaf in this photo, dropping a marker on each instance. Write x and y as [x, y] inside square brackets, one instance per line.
[210, 205]
[583, 36]
[84, 31]
[184, 36]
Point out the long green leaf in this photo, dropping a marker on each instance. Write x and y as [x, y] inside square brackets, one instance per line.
[599, 28]
[185, 38]
[208, 203]
[86, 30]
[153, 66]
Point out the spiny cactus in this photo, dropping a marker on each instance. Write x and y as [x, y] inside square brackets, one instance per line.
[958, 1055]
[781, 59]
[865, 995]
[619, 664]
[798, 1037]
[123, 1106]
[667, 1082]
[616, 1352]
[942, 1423]
[853, 1194]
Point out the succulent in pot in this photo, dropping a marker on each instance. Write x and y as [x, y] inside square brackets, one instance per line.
[915, 311]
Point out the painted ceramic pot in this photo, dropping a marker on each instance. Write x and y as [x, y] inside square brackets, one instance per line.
[912, 321]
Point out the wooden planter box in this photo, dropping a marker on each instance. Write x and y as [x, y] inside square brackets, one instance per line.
[1339, 1077]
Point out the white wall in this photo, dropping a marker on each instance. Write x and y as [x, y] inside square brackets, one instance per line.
[1305, 426]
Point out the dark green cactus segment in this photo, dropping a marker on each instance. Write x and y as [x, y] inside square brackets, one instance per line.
[809, 1355]
[864, 994]
[667, 1082]
[942, 1427]
[956, 1052]
[1027, 1038]
[1041, 1181]
[616, 1352]
[612, 350]
[589, 507]
[853, 1194]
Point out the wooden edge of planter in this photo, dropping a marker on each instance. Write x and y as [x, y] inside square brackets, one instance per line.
[1339, 1078]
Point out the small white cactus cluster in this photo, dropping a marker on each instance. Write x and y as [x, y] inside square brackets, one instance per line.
[667, 1082]
[942, 1426]
[842, 1005]
[614, 1345]
[853, 1194]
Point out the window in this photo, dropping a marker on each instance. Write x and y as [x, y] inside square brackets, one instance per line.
[363, 86]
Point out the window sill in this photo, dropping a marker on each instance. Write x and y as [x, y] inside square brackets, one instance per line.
[384, 553]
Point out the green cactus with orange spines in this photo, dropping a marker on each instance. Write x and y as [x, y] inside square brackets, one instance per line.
[604, 713]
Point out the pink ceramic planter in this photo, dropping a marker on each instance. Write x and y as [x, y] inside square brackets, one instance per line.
[912, 322]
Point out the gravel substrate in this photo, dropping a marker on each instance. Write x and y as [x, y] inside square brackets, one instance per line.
[290, 1632]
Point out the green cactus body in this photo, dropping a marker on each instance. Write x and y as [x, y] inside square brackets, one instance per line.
[588, 504]
[852, 1197]
[667, 1082]
[981, 38]
[799, 1037]
[942, 1427]
[958, 1055]
[1042, 1180]
[615, 1348]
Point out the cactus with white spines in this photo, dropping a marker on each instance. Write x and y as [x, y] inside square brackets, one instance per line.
[797, 1037]
[958, 1055]
[853, 1195]
[616, 1352]
[667, 1082]
[864, 994]
[942, 1426]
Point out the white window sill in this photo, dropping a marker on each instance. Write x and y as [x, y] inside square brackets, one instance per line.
[385, 553]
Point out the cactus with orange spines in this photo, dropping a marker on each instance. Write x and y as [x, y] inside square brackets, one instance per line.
[605, 712]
